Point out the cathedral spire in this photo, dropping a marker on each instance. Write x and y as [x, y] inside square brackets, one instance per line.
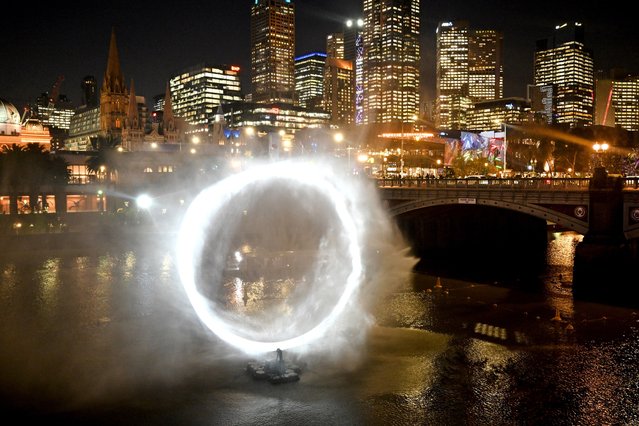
[113, 77]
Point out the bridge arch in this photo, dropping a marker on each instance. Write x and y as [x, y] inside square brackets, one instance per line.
[530, 209]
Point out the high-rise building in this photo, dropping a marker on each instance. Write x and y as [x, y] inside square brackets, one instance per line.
[485, 65]
[390, 61]
[452, 75]
[469, 70]
[114, 96]
[565, 63]
[339, 92]
[335, 45]
[273, 51]
[89, 91]
[197, 91]
[309, 79]
[625, 102]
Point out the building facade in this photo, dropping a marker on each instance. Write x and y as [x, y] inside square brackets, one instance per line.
[309, 79]
[197, 92]
[390, 61]
[485, 65]
[625, 101]
[452, 93]
[273, 51]
[565, 63]
[491, 115]
[339, 91]
[469, 70]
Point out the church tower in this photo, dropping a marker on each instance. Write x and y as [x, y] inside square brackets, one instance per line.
[114, 99]
[133, 130]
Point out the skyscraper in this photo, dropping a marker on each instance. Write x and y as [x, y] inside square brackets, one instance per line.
[485, 65]
[197, 91]
[469, 70]
[390, 61]
[309, 79]
[625, 99]
[273, 51]
[335, 45]
[339, 90]
[453, 99]
[565, 63]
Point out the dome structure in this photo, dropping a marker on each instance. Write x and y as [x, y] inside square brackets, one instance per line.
[9, 118]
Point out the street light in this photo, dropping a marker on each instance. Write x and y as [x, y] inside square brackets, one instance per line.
[600, 149]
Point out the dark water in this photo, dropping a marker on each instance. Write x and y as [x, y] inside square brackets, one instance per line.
[105, 336]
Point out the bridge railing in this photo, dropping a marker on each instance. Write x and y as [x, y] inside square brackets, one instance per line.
[488, 183]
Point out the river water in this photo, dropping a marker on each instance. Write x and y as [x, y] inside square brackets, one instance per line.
[105, 335]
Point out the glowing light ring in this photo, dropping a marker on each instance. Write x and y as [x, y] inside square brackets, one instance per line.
[209, 203]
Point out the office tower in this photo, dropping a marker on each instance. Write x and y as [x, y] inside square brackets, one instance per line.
[89, 91]
[114, 96]
[335, 45]
[390, 61]
[452, 50]
[485, 65]
[625, 100]
[469, 70]
[158, 102]
[489, 115]
[564, 63]
[309, 79]
[273, 51]
[197, 91]
[339, 91]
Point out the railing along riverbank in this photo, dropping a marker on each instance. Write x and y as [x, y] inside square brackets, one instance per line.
[499, 183]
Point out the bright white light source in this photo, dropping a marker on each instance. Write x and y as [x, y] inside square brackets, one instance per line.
[144, 201]
[208, 206]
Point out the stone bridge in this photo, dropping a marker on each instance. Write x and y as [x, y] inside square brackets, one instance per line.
[603, 204]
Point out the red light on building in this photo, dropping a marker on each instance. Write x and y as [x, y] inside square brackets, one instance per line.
[235, 68]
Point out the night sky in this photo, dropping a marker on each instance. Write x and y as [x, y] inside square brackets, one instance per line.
[157, 40]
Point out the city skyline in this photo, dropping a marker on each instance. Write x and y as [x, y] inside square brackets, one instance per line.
[154, 42]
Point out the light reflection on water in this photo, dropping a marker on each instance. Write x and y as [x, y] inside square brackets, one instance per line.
[77, 332]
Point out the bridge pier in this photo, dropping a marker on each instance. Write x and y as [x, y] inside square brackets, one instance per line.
[604, 259]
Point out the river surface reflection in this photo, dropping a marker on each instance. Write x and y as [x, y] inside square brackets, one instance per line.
[107, 336]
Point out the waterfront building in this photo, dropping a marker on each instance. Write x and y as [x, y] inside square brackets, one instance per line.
[492, 114]
[565, 63]
[390, 61]
[14, 132]
[309, 79]
[273, 51]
